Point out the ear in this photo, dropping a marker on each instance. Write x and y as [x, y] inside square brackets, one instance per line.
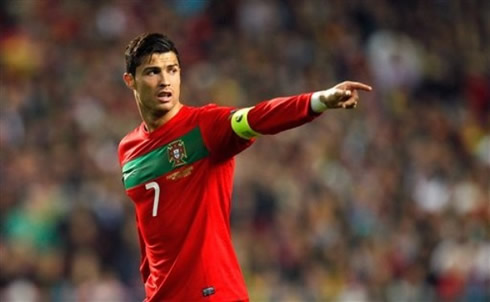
[129, 80]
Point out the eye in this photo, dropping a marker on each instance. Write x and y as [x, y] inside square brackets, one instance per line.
[152, 71]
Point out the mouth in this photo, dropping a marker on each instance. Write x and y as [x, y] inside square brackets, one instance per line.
[164, 96]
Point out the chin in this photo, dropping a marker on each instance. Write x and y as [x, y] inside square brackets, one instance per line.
[166, 106]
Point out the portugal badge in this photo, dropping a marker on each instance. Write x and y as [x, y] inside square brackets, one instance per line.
[176, 153]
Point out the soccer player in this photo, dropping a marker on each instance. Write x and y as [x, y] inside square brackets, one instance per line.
[178, 166]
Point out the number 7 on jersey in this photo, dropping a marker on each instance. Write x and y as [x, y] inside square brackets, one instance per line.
[154, 185]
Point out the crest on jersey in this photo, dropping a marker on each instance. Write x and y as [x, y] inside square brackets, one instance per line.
[176, 153]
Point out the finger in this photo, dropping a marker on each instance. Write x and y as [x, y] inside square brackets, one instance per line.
[355, 95]
[348, 106]
[351, 105]
[351, 101]
[357, 85]
[342, 93]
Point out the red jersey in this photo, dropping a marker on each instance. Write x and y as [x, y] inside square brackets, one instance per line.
[180, 179]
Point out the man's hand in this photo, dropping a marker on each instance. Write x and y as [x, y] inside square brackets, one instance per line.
[343, 95]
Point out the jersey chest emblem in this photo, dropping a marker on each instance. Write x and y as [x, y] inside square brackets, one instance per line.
[176, 153]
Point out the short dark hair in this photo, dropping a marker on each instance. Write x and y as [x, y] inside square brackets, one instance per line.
[144, 45]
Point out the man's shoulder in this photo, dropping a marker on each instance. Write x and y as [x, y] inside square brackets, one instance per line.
[213, 109]
[132, 135]
[130, 139]
[206, 114]
[202, 108]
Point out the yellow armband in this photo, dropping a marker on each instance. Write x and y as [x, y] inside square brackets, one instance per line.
[239, 124]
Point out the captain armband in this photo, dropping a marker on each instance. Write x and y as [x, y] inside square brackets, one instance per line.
[239, 124]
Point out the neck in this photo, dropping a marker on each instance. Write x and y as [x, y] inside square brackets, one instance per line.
[153, 120]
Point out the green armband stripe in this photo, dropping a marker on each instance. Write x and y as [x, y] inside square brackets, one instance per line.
[239, 124]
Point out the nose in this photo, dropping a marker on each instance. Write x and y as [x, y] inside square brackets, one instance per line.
[163, 81]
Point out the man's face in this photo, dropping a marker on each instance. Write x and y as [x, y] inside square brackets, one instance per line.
[156, 83]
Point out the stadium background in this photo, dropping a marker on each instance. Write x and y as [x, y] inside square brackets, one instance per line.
[389, 202]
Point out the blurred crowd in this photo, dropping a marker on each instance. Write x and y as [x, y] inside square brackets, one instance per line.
[388, 202]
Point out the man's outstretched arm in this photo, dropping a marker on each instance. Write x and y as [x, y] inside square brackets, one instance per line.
[279, 114]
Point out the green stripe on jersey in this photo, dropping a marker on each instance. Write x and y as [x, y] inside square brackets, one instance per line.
[186, 149]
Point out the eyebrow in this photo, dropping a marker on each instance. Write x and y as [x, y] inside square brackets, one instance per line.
[158, 67]
[150, 68]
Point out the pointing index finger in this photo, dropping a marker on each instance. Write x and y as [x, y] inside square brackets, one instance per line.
[358, 85]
